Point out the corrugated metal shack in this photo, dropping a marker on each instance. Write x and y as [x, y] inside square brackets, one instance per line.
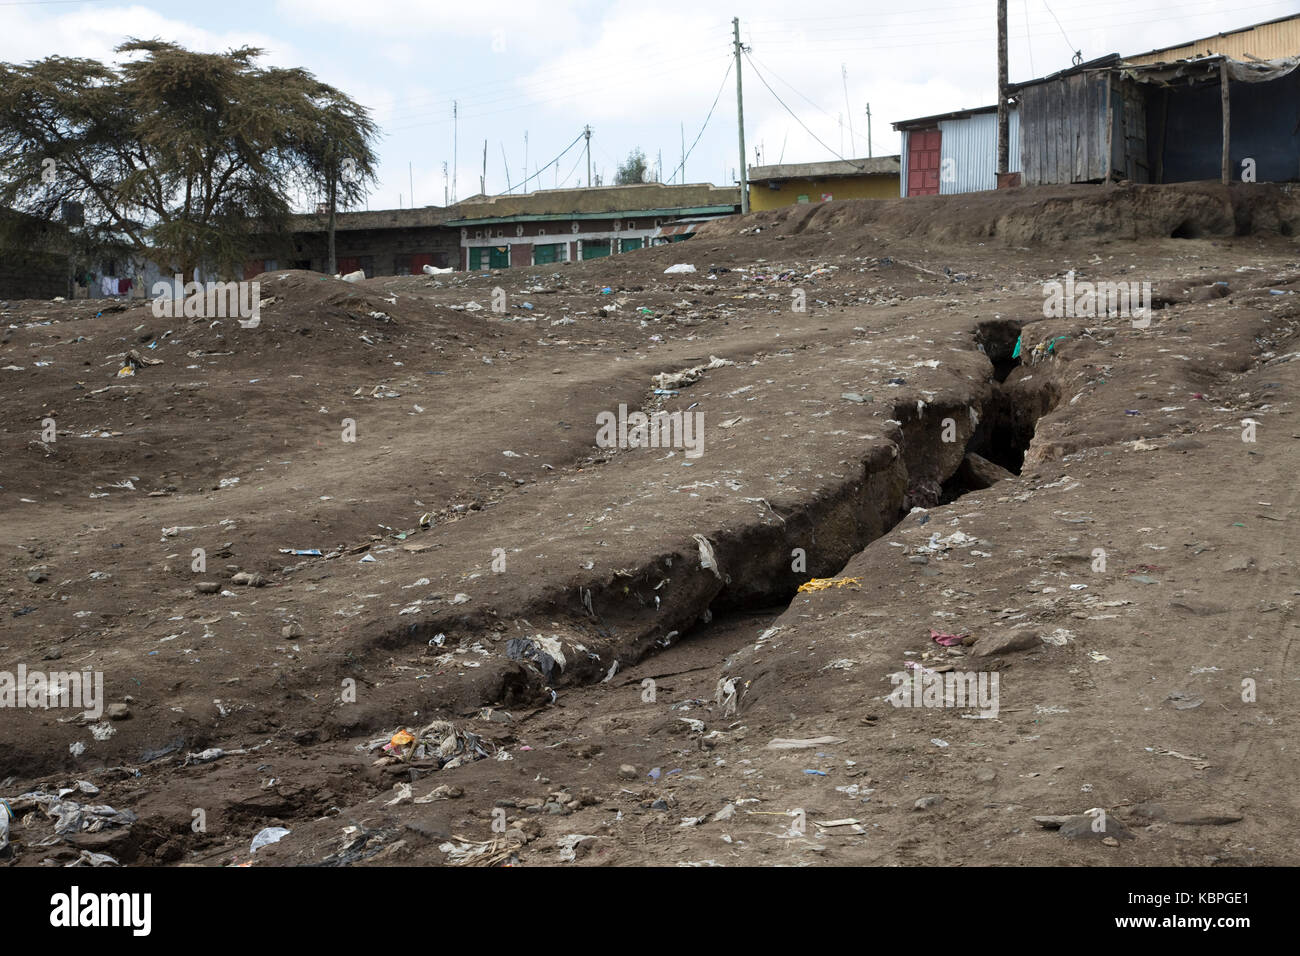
[1160, 123]
[954, 152]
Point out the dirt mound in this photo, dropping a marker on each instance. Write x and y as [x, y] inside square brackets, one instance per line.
[1045, 214]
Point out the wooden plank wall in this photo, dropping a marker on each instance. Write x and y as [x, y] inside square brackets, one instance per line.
[1063, 130]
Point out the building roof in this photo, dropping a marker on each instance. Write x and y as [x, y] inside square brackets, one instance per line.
[941, 117]
[616, 214]
[1100, 63]
[593, 202]
[1279, 37]
[874, 166]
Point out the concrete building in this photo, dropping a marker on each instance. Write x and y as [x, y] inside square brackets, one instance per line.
[568, 225]
[771, 187]
[499, 232]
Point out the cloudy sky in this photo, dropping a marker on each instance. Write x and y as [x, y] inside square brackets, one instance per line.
[528, 76]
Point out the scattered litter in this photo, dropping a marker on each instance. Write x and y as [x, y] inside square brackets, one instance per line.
[947, 640]
[680, 268]
[688, 376]
[805, 743]
[267, 837]
[708, 559]
[822, 584]
[545, 652]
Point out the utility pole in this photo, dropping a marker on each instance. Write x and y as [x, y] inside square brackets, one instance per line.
[506, 163]
[454, 154]
[524, 181]
[740, 118]
[586, 131]
[482, 180]
[410, 173]
[868, 131]
[683, 179]
[1004, 119]
[446, 197]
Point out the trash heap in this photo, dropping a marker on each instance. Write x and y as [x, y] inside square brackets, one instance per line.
[439, 741]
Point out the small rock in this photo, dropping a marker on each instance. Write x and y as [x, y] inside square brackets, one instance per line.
[627, 772]
[250, 579]
[291, 630]
[118, 712]
[928, 801]
[37, 577]
[207, 587]
[1094, 827]
[992, 644]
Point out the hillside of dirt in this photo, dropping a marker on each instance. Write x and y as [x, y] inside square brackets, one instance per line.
[370, 573]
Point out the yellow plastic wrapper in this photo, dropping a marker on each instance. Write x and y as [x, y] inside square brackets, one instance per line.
[822, 584]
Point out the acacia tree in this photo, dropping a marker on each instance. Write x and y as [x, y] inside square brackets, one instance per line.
[184, 157]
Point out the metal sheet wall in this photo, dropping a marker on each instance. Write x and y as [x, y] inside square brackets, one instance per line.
[972, 146]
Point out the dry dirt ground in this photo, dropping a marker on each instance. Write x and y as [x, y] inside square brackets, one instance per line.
[602, 649]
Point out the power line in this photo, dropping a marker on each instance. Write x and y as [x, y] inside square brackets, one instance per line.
[721, 87]
[565, 180]
[1073, 48]
[860, 168]
[801, 96]
[551, 163]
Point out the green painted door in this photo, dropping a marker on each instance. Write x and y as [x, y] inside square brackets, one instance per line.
[548, 252]
[500, 257]
[477, 259]
[628, 245]
[595, 248]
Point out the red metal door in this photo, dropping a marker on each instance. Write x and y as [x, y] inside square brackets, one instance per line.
[347, 264]
[923, 162]
[418, 261]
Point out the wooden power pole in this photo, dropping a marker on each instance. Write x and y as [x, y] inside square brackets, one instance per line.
[1004, 118]
[740, 120]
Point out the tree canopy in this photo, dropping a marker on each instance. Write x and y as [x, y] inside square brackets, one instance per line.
[181, 157]
[632, 170]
